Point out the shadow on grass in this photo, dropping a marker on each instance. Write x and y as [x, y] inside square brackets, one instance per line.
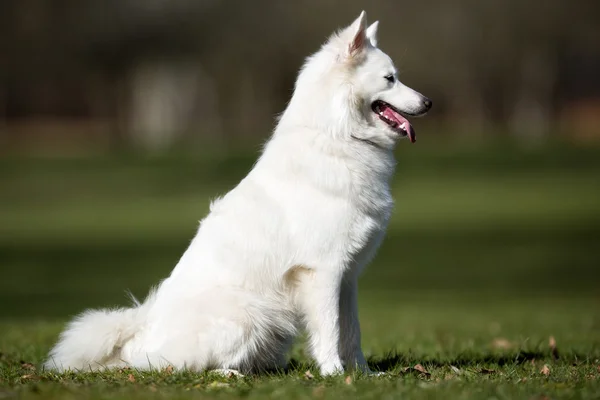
[394, 360]
[392, 363]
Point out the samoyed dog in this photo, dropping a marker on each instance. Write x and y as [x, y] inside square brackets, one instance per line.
[282, 251]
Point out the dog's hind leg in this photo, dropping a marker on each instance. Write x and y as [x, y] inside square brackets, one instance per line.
[220, 329]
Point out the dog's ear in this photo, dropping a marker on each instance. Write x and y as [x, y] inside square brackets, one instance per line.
[372, 33]
[358, 35]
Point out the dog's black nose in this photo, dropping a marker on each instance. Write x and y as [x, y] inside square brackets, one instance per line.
[427, 103]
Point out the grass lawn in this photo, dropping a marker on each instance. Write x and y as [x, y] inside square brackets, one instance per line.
[487, 285]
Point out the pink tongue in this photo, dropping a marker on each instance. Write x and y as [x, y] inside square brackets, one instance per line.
[399, 119]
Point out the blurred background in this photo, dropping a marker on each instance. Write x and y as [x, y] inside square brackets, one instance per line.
[121, 119]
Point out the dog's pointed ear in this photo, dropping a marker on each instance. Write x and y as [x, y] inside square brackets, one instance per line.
[358, 36]
[372, 33]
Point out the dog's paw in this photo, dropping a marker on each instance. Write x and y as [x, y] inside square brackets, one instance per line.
[370, 373]
[332, 369]
[363, 369]
[229, 373]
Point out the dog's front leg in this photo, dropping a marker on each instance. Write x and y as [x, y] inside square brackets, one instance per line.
[319, 300]
[349, 345]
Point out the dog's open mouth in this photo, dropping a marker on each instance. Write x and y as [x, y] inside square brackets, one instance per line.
[391, 116]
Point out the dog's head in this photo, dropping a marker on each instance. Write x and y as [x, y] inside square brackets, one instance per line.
[366, 91]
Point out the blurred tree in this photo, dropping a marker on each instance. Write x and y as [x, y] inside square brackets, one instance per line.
[156, 71]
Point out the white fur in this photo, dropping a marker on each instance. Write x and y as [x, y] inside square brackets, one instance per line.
[281, 250]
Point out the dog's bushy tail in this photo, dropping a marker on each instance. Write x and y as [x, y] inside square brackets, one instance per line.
[93, 340]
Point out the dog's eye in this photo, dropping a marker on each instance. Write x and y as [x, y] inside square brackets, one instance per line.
[390, 78]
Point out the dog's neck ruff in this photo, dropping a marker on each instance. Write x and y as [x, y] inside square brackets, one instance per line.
[366, 141]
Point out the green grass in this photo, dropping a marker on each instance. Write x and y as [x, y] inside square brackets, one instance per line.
[493, 249]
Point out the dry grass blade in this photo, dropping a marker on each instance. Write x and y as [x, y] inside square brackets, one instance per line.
[553, 348]
[26, 365]
[417, 369]
[217, 384]
[545, 370]
[502, 343]
[420, 368]
[319, 391]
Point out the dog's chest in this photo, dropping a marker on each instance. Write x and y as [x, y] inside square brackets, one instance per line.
[372, 207]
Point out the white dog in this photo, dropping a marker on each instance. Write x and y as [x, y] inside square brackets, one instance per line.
[285, 247]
